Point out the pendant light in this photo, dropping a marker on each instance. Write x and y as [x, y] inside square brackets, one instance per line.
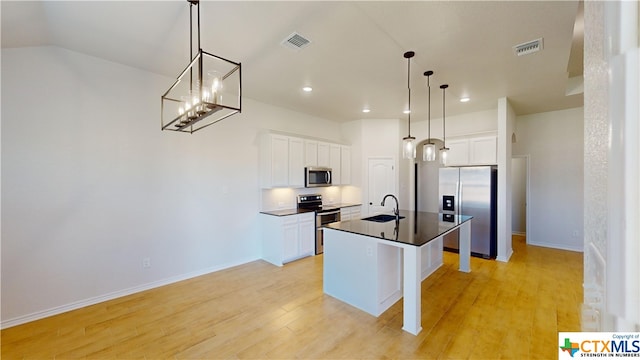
[408, 148]
[210, 88]
[429, 149]
[444, 150]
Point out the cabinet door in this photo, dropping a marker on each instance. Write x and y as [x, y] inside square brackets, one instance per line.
[290, 243]
[323, 154]
[335, 163]
[355, 212]
[345, 165]
[307, 235]
[296, 162]
[483, 150]
[310, 153]
[279, 160]
[458, 152]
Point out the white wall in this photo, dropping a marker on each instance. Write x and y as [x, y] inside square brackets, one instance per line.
[554, 141]
[90, 185]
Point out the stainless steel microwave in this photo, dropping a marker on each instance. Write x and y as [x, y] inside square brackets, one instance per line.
[317, 176]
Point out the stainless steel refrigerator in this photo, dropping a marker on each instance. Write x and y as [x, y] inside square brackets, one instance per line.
[471, 191]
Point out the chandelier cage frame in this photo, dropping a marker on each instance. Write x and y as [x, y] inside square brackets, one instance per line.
[207, 91]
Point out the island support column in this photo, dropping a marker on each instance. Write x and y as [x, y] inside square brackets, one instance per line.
[412, 314]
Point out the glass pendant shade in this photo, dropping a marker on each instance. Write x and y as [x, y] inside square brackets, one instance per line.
[429, 152]
[408, 148]
[444, 152]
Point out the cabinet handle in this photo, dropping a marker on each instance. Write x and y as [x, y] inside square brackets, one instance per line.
[370, 203]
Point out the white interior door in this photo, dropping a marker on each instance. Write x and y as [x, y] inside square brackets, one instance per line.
[381, 183]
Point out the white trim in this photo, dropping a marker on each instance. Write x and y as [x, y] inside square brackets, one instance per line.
[505, 258]
[557, 246]
[114, 295]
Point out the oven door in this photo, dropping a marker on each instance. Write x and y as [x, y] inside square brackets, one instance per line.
[324, 218]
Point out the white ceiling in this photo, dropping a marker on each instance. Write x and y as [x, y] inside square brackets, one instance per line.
[355, 59]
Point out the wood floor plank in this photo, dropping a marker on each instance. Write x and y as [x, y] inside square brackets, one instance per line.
[260, 311]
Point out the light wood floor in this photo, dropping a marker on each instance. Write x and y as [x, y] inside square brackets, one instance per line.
[499, 310]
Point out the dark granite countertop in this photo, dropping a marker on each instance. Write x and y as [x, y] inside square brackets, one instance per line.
[287, 212]
[417, 228]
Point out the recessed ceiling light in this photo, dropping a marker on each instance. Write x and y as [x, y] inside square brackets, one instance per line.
[365, 110]
[307, 89]
[464, 99]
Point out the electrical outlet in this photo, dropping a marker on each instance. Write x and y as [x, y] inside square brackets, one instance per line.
[146, 262]
[369, 251]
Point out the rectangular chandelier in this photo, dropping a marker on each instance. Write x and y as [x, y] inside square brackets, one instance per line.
[207, 91]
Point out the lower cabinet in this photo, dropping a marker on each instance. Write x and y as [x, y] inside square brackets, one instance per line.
[287, 238]
[351, 212]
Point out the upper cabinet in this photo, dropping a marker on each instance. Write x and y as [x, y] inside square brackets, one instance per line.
[324, 154]
[274, 162]
[345, 165]
[335, 163]
[283, 159]
[483, 150]
[473, 150]
[310, 153]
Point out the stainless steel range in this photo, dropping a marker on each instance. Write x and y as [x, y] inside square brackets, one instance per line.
[324, 215]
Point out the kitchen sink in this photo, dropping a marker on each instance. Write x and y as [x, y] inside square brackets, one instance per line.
[381, 218]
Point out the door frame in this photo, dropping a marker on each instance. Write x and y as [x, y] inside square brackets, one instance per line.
[527, 163]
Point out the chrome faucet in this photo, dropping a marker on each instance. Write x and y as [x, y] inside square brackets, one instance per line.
[396, 211]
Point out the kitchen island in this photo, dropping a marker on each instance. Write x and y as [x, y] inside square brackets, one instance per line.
[371, 265]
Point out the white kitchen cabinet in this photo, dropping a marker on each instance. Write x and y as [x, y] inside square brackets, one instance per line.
[350, 213]
[310, 153]
[458, 152]
[335, 163]
[472, 150]
[323, 154]
[287, 238]
[274, 162]
[282, 161]
[296, 162]
[483, 150]
[345, 165]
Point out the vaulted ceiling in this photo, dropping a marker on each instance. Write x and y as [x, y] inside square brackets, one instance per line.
[355, 58]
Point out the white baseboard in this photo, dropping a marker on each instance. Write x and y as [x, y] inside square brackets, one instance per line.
[505, 258]
[116, 294]
[519, 233]
[557, 246]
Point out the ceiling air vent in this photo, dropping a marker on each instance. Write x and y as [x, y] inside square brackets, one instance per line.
[295, 41]
[528, 48]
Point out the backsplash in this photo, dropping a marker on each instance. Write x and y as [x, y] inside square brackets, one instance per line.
[285, 198]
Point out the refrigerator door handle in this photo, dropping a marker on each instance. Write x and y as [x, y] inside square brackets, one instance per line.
[460, 185]
[458, 201]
